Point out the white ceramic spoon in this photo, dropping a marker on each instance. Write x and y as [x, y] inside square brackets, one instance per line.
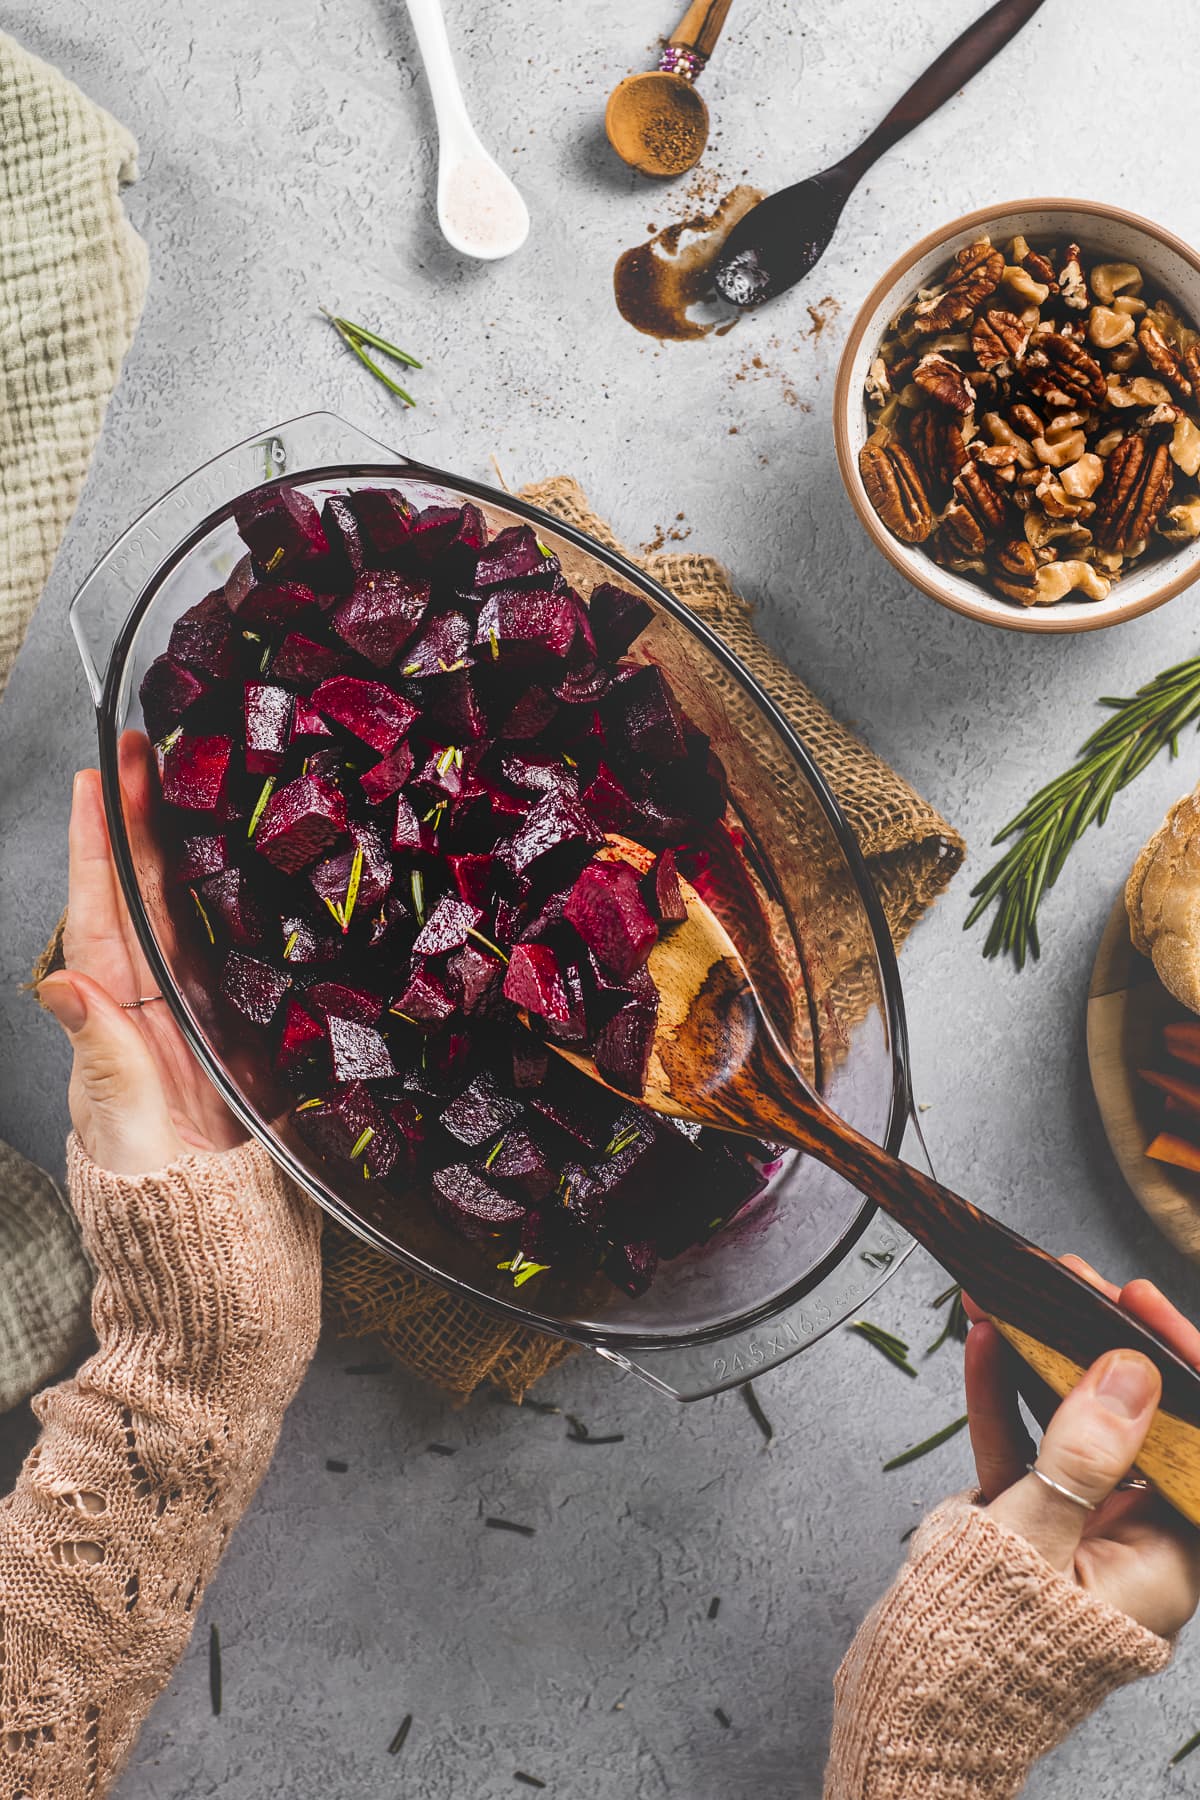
[479, 210]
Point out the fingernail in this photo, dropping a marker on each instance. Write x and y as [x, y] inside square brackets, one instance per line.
[1128, 1385]
[64, 1000]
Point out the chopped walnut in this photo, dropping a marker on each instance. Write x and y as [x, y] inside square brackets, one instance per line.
[1179, 524]
[1058, 579]
[1111, 279]
[1107, 329]
[1185, 445]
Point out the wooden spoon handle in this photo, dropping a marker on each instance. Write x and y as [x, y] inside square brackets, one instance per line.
[700, 27]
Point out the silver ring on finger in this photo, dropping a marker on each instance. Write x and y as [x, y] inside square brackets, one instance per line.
[1066, 1492]
[132, 1005]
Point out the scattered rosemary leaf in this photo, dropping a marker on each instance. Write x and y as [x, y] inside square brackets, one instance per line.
[493, 640]
[214, 1670]
[576, 1427]
[1193, 1743]
[957, 1324]
[445, 759]
[356, 336]
[527, 1780]
[369, 1368]
[275, 559]
[352, 887]
[407, 1017]
[336, 910]
[578, 1433]
[336, 1467]
[307, 1105]
[170, 741]
[361, 1142]
[410, 668]
[714, 1606]
[722, 1717]
[204, 916]
[905, 1535]
[754, 1407]
[418, 895]
[510, 1525]
[398, 1742]
[522, 1268]
[290, 946]
[376, 342]
[486, 942]
[930, 1443]
[265, 658]
[441, 1449]
[268, 788]
[493, 1153]
[894, 1348]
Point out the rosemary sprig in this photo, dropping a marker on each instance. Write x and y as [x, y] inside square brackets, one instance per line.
[1193, 1743]
[930, 1443]
[755, 1408]
[894, 1348]
[1058, 815]
[214, 1670]
[957, 1324]
[357, 337]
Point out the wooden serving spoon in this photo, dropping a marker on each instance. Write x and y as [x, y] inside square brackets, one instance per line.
[786, 234]
[717, 1060]
[657, 122]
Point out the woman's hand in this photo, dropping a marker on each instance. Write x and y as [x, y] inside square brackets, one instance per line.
[1133, 1551]
[138, 1097]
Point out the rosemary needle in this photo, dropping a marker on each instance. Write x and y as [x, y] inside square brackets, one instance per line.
[931, 1443]
[356, 336]
[894, 1348]
[1193, 1743]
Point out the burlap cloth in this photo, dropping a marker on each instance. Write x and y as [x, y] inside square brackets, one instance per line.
[72, 281]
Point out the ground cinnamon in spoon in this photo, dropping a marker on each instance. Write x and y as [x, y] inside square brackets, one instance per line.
[664, 287]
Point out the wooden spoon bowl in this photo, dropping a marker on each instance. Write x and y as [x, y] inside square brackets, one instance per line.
[657, 123]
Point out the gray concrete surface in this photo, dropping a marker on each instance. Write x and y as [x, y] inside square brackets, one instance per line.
[288, 159]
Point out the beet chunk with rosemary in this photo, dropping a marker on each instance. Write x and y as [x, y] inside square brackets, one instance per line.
[381, 614]
[607, 910]
[301, 820]
[534, 982]
[281, 528]
[358, 1052]
[168, 693]
[196, 773]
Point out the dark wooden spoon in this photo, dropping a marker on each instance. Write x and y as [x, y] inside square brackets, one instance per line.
[717, 1060]
[785, 235]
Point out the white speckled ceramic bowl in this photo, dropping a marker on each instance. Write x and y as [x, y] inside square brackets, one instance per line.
[1167, 263]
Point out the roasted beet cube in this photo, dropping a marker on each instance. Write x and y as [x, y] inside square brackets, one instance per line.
[646, 717]
[384, 519]
[381, 614]
[344, 538]
[544, 774]
[205, 638]
[442, 644]
[472, 876]
[519, 1158]
[306, 722]
[532, 714]
[632, 1266]
[480, 1112]
[530, 1061]
[357, 1052]
[410, 832]
[610, 803]
[195, 774]
[303, 943]
[662, 892]
[622, 1046]
[617, 618]
[305, 661]
[453, 707]
[473, 977]
[229, 901]
[254, 987]
[168, 693]
[607, 910]
[268, 716]
[387, 776]
[201, 856]
[447, 927]
[301, 1040]
[353, 1126]
[449, 533]
[272, 605]
[281, 528]
[391, 925]
[471, 1204]
[339, 998]
[534, 982]
[522, 627]
[301, 820]
[580, 1108]
[331, 880]
[424, 999]
[515, 554]
[556, 821]
[368, 709]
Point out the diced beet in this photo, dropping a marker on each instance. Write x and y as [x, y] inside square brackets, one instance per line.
[281, 528]
[358, 1052]
[408, 1120]
[449, 533]
[442, 644]
[304, 660]
[617, 618]
[530, 1061]
[338, 999]
[201, 856]
[610, 803]
[384, 519]
[368, 709]
[268, 726]
[520, 628]
[622, 1047]
[521, 1159]
[514, 554]
[344, 539]
[168, 693]
[574, 1028]
[254, 987]
[442, 776]
[692, 786]
[423, 998]
[205, 638]
[195, 773]
[447, 927]
[544, 774]
[453, 707]
[302, 943]
[270, 605]
[472, 1204]
[480, 1112]
[388, 775]
[632, 1266]
[533, 981]
[647, 717]
[301, 820]
[661, 890]
[580, 1108]
[474, 976]
[472, 876]
[607, 910]
[331, 879]
[555, 821]
[301, 1039]
[352, 1126]
[390, 924]
[381, 614]
[307, 723]
[229, 899]
[532, 714]
[408, 831]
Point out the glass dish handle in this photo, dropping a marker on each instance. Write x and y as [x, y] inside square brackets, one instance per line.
[698, 1371]
[103, 603]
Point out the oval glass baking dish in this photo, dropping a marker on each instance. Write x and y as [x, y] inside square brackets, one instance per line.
[809, 1250]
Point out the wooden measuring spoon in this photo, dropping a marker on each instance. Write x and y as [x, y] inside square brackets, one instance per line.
[716, 1059]
[657, 122]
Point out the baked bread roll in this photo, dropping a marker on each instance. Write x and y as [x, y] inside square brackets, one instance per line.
[1162, 898]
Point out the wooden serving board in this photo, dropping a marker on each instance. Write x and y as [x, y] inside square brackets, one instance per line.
[1126, 1011]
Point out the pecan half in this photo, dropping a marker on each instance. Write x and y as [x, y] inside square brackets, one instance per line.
[937, 446]
[1191, 364]
[999, 340]
[895, 491]
[1137, 485]
[1015, 567]
[979, 508]
[945, 382]
[1072, 282]
[1163, 357]
[1060, 371]
[976, 274]
[1041, 268]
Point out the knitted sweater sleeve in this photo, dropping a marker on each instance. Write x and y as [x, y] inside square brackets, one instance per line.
[206, 1311]
[978, 1660]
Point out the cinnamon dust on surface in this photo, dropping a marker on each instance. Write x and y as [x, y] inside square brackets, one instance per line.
[664, 287]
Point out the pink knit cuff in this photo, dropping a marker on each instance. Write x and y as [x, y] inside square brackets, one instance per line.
[978, 1660]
